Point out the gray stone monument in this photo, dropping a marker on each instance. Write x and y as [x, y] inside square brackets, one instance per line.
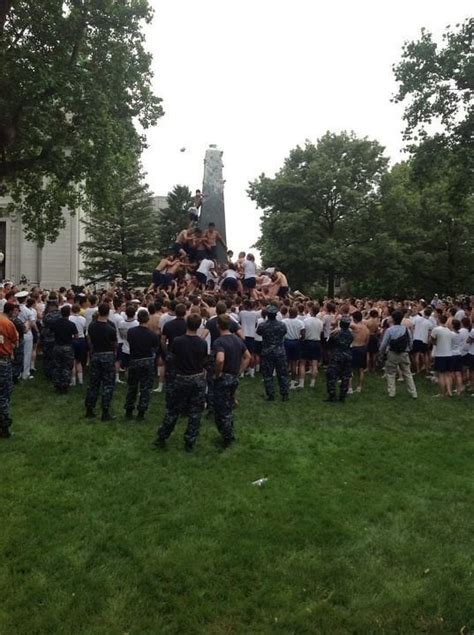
[213, 210]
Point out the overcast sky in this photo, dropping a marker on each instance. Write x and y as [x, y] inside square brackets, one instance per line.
[258, 77]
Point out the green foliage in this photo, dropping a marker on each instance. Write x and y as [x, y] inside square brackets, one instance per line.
[174, 218]
[438, 81]
[313, 204]
[74, 76]
[364, 526]
[121, 236]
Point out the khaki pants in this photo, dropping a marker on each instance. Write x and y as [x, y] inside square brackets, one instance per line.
[402, 360]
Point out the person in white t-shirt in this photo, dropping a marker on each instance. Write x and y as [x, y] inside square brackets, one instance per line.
[421, 335]
[442, 337]
[91, 310]
[79, 346]
[250, 275]
[203, 272]
[128, 323]
[311, 345]
[295, 333]
[248, 319]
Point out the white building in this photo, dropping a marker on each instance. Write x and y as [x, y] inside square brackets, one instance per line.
[56, 264]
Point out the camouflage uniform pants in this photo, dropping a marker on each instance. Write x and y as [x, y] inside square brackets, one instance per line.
[210, 380]
[224, 391]
[187, 398]
[170, 375]
[63, 363]
[17, 363]
[102, 374]
[270, 362]
[141, 374]
[48, 360]
[6, 388]
[340, 368]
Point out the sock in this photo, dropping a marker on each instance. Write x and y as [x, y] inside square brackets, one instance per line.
[301, 383]
[80, 378]
[252, 372]
[312, 383]
[73, 380]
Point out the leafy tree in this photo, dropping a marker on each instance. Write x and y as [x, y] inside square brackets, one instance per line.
[313, 205]
[121, 238]
[437, 84]
[438, 81]
[174, 218]
[74, 77]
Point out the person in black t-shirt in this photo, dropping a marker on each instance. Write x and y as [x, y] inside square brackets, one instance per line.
[231, 359]
[102, 337]
[172, 329]
[212, 327]
[189, 353]
[143, 346]
[63, 355]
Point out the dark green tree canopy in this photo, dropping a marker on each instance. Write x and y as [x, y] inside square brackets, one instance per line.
[74, 80]
[121, 238]
[438, 81]
[174, 218]
[312, 205]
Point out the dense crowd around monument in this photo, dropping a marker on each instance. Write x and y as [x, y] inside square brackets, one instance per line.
[201, 326]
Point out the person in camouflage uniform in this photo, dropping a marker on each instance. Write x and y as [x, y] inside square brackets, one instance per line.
[8, 341]
[340, 364]
[102, 336]
[231, 359]
[187, 397]
[273, 356]
[11, 311]
[141, 372]
[51, 314]
[63, 354]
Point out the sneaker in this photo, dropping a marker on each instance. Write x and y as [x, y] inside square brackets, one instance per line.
[140, 416]
[358, 389]
[350, 391]
[285, 398]
[270, 397]
[119, 381]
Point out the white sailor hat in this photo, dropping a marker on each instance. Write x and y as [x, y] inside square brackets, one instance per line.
[21, 294]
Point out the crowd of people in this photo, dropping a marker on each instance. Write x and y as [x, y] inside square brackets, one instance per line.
[192, 337]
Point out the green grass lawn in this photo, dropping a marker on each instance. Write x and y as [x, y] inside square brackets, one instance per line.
[364, 526]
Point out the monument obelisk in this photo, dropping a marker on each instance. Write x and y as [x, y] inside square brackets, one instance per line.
[213, 210]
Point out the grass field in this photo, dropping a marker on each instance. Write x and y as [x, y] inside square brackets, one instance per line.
[364, 526]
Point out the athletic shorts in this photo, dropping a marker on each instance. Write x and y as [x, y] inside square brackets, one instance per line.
[230, 284]
[250, 344]
[359, 357]
[282, 292]
[442, 364]
[201, 254]
[293, 350]
[119, 352]
[466, 360]
[124, 359]
[373, 343]
[250, 283]
[79, 347]
[311, 350]
[419, 347]
[157, 278]
[258, 347]
[471, 361]
[456, 364]
[201, 277]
